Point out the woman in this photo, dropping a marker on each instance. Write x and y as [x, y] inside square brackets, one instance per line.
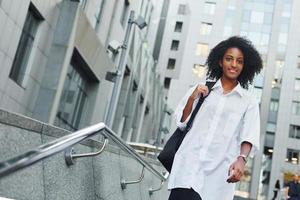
[214, 152]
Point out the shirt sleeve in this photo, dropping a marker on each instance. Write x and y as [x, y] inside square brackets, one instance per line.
[180, 108]
[250, 131]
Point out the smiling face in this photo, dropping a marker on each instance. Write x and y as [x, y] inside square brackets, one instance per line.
[232, 63]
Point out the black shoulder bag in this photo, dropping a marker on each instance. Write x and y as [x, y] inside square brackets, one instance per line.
[166, 156]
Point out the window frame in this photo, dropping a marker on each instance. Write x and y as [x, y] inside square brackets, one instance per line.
[178, 26]
[175, 45]
[19, 68]
[171, 64]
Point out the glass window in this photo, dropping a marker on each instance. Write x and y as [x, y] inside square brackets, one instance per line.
[262, 49]
[292, 156]
[270, 1]
[285, 20]
[98, 14]
[294, 131]
[297, 85]
[175, 45]
[73, 103]
[83, 4]
[257, 93]
[245, 26]
[281, 48]
[244, 33]
[201, 49]
[266, 28]
[227, 31]
[228, 20]
[274, 105]
[254, 37]
[264, 40]
[275, 93]
[279, 69]
[284, 28]
[178, 27]
[269, 8]
[246, 15]
[257, 17]
[282, 38]
[268, 18]
[286, 11]
[258, 5]
[171, 63]
[259, 80]
[125, 13]
[205, 28]
[209, 7]
[231, 5]
[248, 5]
[167, 82]
[181, 9]
[271, 127]
[23, 52]
[296, 107]
[199, 70]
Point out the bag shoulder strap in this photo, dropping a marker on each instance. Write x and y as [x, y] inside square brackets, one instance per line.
[209, 84]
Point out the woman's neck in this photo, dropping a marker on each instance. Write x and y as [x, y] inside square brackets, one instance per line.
[228, 84]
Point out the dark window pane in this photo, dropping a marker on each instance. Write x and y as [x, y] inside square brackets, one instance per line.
[171, 63]
[181, 9]
[19, 65]
[167, 82]
[73, 103]
[178, 27]
[175, 45]
[294, 131]
[292, 156]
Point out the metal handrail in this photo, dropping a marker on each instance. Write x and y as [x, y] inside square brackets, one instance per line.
[30, 157]
[70, 154]
[124, 183]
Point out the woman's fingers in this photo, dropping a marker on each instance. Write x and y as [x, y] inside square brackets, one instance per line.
[235, 177]
[202, 89]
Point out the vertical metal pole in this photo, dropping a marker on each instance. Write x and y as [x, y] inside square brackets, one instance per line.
[120, 72]
[158, 136]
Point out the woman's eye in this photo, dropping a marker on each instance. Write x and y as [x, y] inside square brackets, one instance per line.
[227, 59]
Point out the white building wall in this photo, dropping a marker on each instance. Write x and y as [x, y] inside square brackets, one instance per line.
[287, 95]
[230, 13]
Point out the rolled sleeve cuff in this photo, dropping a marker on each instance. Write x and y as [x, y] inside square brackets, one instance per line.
[182, 125]
[254, 149]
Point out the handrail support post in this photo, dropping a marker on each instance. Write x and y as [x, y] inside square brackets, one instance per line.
[124, 183]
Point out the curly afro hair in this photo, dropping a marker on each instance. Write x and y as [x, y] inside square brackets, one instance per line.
[252, 60]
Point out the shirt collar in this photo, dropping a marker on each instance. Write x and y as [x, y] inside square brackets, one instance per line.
[238, 88]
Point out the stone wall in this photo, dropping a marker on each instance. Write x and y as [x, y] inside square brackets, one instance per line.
[95, 178]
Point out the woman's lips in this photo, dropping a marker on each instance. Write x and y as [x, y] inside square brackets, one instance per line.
[232, 71]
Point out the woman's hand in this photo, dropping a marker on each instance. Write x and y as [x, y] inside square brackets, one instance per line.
[236, 171]
[200, 89]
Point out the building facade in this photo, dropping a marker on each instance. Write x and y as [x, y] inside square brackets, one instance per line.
[56, 66]
[272, 27]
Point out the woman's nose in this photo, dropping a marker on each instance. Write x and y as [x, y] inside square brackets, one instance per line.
[234, 63]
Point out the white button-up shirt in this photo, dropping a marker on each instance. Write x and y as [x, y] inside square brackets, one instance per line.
[213, 143]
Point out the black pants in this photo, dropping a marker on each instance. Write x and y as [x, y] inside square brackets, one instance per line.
[184, 194]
